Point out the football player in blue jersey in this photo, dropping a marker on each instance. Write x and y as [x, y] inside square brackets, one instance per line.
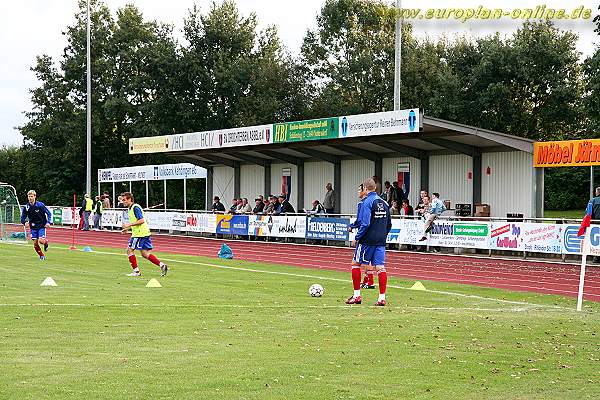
[39, 216]
[374, 223]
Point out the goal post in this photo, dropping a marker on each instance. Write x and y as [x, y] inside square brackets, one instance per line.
[10, 215]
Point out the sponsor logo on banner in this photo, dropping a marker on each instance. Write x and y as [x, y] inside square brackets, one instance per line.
[405, 231]
[506, 236]
[382, 123]
[412, 120]
[315, 129]
[232, 224]
[284, 226]
[260, 225]
[542, 238]
[153, 144]
[566, 153]
[451, 234]
[571, 242]
[199, 222]
[179, 222]
[155, 172]
[327, 228]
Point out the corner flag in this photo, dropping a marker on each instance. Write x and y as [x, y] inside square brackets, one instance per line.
[586, 220]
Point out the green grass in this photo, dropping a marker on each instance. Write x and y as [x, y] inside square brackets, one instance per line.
[568, 214]
[239, 330]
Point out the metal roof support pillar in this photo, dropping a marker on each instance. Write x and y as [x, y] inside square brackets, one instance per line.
[300, 204]
[425, 173]
[165, 194]
[236, 179]
[539, 192]
[267, 177]
[209, 187]
[477, 172]
[379, 171]
[337, 186]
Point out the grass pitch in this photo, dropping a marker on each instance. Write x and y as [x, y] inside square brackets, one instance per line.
[237, 330]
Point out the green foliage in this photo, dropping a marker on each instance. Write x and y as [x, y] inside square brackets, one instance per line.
[567, 188]
[227, 73]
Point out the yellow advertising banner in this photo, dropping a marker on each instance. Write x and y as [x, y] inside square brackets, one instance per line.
[567, 153]
[153, 144]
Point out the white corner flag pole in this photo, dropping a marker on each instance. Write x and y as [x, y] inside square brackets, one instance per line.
[585, 249]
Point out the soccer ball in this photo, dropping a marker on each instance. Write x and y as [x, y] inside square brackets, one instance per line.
[316, 290]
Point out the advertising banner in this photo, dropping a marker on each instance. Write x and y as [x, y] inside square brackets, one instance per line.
[151, 172]
[260, 225]
[229, 224]
[382, 123]
[315, 129]
[201, 222]
[289, 226]
[506, 236]
[567, 153]
[114, 218]
[460, 234]
[57, 216]
[251, 135]
[571, 243]
[159, 220]
[542, 238]
[406, 231]
[152, 144]
[327, 228]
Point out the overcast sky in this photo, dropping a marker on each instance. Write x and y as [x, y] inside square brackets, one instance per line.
[33, 27]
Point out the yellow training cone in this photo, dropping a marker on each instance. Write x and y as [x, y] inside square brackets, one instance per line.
[48, 282]
[153, 283]
[418, 286]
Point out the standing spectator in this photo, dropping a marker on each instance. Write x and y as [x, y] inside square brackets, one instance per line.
[317, 209]
[400, 195]
[390, 193]
[98, 210]
[120, 203]
[217, 206]
[87, 204]
[394, 208]
[329, 200]
[246, 208]
[377, 185]
[285, 207]
[258, 207]
[406, 208]
[106, 200]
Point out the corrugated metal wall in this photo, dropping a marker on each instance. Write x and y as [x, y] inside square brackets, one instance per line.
[509, 187]
[316, 176]
[276, 174]
[390, 173]
[448, 176]
[252, 182]
[353, 173]
[223, 184]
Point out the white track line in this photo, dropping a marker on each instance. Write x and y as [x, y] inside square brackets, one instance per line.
[447, 293]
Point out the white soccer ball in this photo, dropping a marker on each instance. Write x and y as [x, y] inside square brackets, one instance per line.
[316, 290]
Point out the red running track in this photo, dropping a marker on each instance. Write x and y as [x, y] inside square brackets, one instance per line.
[517, 275]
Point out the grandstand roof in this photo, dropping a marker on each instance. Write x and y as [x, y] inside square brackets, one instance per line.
[437, 136]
